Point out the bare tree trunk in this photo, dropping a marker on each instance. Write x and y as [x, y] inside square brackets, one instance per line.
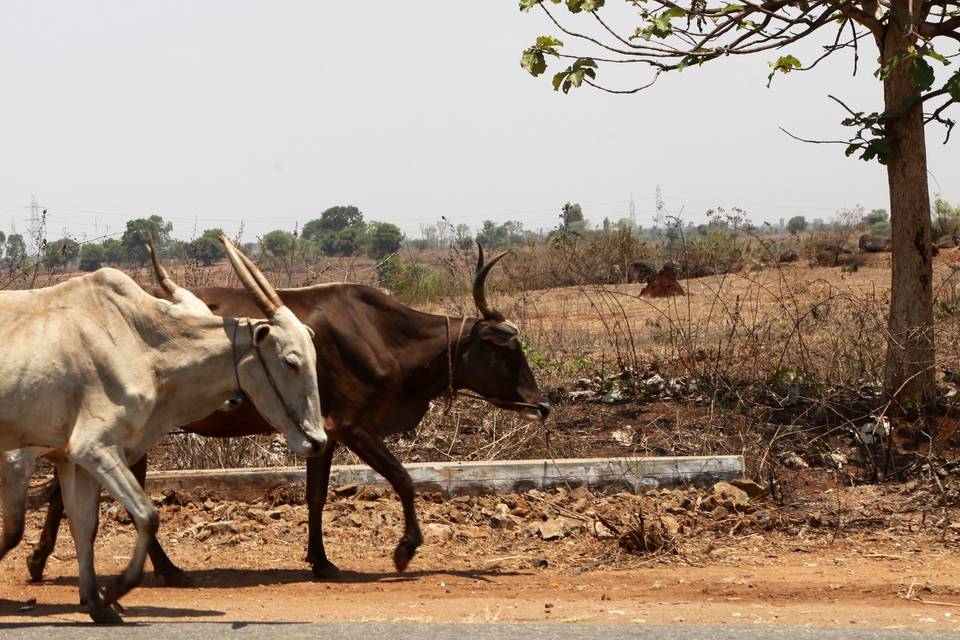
[909, 376]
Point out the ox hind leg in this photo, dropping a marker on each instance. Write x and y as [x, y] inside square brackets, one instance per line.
[107, 465]
[37, 560]
[374, 452]
[14, 475]
[162, 565]
[318, 480]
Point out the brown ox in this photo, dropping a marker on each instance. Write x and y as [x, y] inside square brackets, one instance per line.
[383, 363]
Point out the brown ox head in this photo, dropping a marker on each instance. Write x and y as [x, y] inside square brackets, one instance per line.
[493, 363]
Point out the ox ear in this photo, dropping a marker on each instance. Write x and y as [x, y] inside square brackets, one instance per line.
[499, 333]
[313, 334]
[260, 333]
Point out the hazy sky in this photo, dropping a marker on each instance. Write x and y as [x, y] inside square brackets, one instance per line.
[212, 112]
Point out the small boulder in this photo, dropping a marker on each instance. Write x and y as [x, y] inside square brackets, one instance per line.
[727, 494]
[441, 532]
[751, 488]
[872, 243]
[946, 242]
[554, 529]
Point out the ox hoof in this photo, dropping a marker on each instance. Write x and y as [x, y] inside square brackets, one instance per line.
[105, 615]
[326, 570]
[35, 567]
[402, 557]
[179, 579]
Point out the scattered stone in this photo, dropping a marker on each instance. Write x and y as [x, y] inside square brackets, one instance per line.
[503, 519]
[726, 493]
[763, 518]
[622, 437]
[792, 460]
[540, 563]
[751, 488]
[440, 532]
[612, 398]
[834, 460]
[345, 490]
[554, 529]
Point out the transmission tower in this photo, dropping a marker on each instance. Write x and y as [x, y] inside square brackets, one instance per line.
[633, 212]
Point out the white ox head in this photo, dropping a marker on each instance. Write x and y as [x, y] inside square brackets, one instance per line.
[278, 370]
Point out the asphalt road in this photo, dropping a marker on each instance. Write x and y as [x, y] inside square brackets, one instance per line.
[402, 631]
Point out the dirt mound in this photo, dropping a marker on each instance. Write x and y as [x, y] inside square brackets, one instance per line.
[663, 285]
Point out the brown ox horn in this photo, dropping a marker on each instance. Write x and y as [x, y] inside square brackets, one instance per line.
[162, 277]
[248, 278]
[479, 296]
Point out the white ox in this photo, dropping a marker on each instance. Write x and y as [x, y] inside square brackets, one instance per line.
[95, 370]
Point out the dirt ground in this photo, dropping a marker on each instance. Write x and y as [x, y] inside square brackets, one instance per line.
[833, 556]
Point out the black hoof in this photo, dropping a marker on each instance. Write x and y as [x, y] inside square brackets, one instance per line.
[326, 570]
[35, 567]
[179, 579]
[402, 556]
[105, 615]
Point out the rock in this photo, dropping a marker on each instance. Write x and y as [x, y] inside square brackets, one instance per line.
[946, 242]
[751, 488]
[623, 437]
[871, 243]
[540, 563]
[209, 505]
[763, 518]
[601, 530]
[612, 398]
[789, 255]
[834, 460]
[792, 460]
[729, 495]
[554, 529]
[875, 431]
[579, 395]
[503, 519]
[671, 528]
[345, 490]
[441, 532]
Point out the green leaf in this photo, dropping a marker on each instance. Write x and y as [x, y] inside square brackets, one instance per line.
[675, 12]
[526, 5]
[930, 53]
[783, 64]
[922, 74]
[532, 62]
[576, 6]
[953, 86]
[548, 44]
[730, 8]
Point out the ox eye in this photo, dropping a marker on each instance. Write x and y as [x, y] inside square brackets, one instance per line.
[292, 363]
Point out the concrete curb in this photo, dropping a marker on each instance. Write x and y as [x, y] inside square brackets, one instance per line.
[499, 476]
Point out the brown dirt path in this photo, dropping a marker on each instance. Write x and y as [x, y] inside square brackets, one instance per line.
[869, 579]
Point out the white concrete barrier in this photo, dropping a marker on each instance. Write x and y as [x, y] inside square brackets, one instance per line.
[499, 476]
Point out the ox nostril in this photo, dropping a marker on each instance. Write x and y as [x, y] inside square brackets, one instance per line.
[544, 408]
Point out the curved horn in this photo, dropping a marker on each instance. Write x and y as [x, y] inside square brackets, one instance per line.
[247, 278]
[479, 296]
[162, 277]
[261, 279]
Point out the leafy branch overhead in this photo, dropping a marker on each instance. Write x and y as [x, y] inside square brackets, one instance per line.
[671, 35]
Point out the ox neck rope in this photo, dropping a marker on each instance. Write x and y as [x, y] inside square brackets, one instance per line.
[239, 396]
[273, 383]
[453, 356]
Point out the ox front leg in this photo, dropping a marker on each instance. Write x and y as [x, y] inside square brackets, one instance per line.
[108, 467]
[374, 452]
[81, 497]
[318, 481]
